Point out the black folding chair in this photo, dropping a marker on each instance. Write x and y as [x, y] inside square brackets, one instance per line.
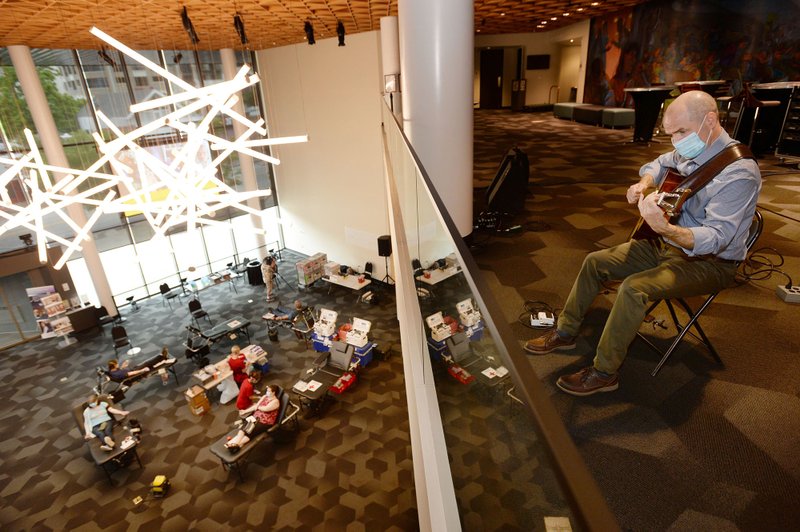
[197, 312]
[756, 227]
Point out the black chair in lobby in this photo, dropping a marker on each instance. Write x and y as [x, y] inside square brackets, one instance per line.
[197, 312]
[197, 350]
[104, 318]
[756, 227]
[120, 337]
[168, 294]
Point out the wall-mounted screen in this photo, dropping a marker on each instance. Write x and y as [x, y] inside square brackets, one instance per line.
[538, 62]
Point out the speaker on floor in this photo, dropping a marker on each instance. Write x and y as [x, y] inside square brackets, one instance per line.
[384, 245]
[509, 188]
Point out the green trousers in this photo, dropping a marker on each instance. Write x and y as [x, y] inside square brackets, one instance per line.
[649, 271]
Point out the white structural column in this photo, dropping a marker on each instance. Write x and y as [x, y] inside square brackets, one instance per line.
[390, 60]
[54, 151]
[436, 57]
[245, 161]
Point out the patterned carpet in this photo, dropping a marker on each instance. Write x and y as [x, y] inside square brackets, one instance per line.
[700, 447]
[352, 465]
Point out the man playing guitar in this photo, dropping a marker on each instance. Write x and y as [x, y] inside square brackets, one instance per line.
[694, 252]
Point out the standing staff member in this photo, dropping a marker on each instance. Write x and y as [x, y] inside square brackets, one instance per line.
[269, 267]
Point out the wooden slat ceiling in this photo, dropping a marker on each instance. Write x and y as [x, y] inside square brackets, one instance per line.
[156, 24]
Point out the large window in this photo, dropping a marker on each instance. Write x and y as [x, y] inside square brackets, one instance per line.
[79, 83]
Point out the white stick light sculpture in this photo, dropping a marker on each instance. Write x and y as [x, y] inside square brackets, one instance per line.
[167, 194]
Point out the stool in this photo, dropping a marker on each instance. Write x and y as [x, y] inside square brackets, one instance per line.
[764, 103]
[618, 117]
[588, 114]
[134, 305]
[564, 110]
[724, 105]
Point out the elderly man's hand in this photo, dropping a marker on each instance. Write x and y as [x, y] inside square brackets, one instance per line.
[635, 192]
[653, 214]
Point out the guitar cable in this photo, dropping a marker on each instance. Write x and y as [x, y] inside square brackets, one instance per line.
[759, 267]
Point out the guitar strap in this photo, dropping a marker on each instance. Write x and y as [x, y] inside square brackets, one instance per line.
[708, 171]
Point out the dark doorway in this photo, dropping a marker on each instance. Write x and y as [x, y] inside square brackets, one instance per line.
[491, 78]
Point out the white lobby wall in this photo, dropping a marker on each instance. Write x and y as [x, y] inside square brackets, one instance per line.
[548, 42]
[330, 190]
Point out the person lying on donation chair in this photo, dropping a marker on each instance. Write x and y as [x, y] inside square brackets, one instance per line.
[98, 423]
[694, 254]
[120, 372]
[291, 316]
[247, 393]
[238, 364]
[265, 414]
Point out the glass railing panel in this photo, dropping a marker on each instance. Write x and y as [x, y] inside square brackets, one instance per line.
[512, 465]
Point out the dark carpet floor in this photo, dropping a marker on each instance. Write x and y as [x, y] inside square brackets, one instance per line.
[352, 465]
[700, 446]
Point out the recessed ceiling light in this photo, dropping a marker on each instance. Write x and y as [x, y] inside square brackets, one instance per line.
[544, 22]
[553, 18]
[580, 9]
[565, 14]
[502, 14]
[572, 40]
[540, 26]
[595, 4]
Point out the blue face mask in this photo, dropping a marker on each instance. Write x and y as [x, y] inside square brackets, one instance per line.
[691, 145]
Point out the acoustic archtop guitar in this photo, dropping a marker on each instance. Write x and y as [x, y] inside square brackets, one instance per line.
[675, 189]
[671, 199]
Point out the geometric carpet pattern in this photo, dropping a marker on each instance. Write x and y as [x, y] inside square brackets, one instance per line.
[352, 465]
[702, 446]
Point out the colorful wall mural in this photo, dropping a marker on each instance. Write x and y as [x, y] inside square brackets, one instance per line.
[665, 41]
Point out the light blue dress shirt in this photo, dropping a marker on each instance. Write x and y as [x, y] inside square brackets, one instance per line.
[719, 214]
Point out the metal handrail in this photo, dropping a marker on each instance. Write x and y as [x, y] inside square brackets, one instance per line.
[550, 93]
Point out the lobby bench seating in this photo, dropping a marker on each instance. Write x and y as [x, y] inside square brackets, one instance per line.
[596, 115]
[588, 114]
[566, 109]
[615, 117]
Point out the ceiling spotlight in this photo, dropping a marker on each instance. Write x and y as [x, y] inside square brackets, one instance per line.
[189, 27]
[309, 29]
[177, 58]
[27, 239]
[340, 32]
[239, 25]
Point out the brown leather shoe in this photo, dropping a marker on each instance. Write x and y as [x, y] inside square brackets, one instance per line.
[549, 342]
[586, 382]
